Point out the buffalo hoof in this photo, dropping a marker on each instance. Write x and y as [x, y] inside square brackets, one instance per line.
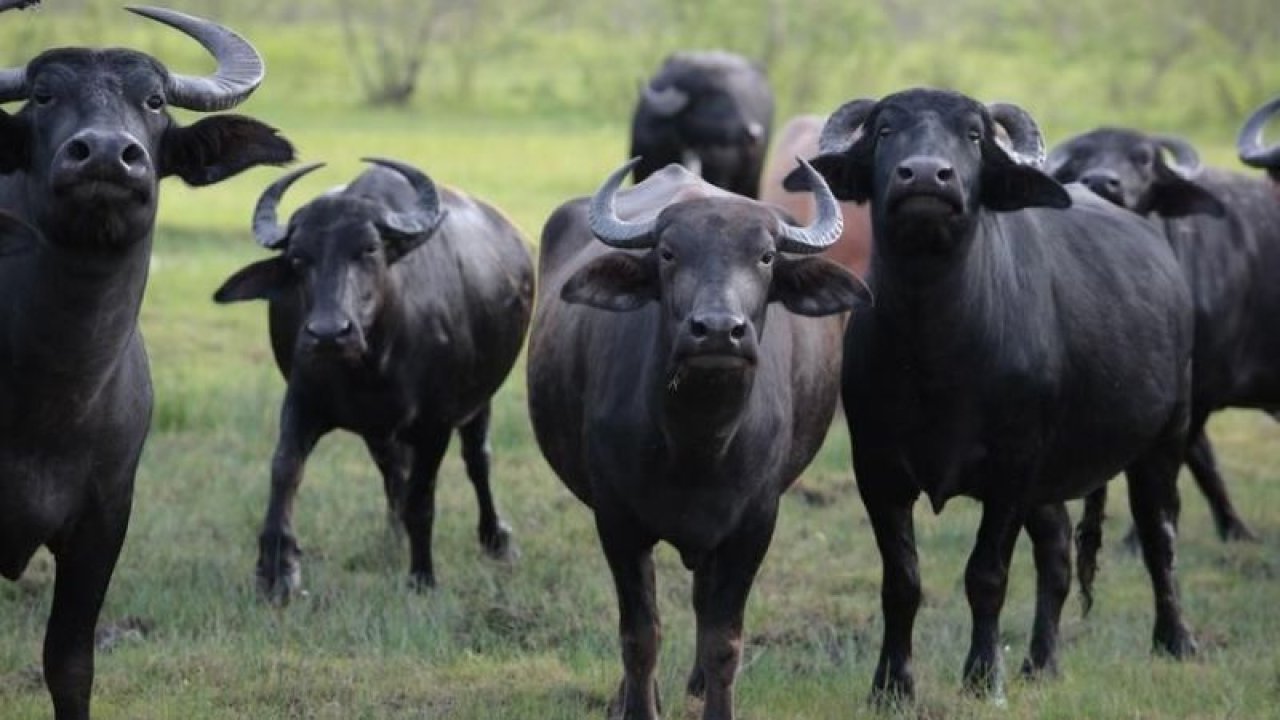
[697, 684]
[499, 544]
[1176, 642]
[1032, 672]
[987, 684]
[280, 584]
[422, 582]
[617, 709]
[1236, 531]
[893, 690]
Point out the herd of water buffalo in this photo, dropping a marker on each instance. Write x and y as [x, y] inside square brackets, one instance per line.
[1032, 324]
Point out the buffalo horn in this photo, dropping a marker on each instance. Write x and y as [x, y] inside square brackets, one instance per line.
[1249, 143]
[427, 216]
[603, 218]
[266, 228]
[844, 126]
[825, 228]
[1026, 142]
[240, 67]
[665, 102]
[1186, 161]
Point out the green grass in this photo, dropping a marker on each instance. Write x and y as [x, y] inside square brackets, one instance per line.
[537, 639]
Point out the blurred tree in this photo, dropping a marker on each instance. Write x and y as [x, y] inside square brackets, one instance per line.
[387, 42]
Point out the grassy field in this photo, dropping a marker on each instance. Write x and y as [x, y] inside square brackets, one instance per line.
[186, 637]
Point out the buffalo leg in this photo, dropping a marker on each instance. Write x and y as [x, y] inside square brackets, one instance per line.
[721, 585]
[279, 570]
[1153, 498]
[495, 535]
[393, 459]
[1049, 527]
[899, 590]
[985, 581]
[420, 502]
[630, 556]
[85, 562]
[1204, 469]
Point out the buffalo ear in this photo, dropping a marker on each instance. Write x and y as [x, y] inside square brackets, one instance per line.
[16, 236]
[847, 174]
[1006, 185]
[14, 144]
[261, 280]
[617, 282]
[1176, 196]
[220, 146]
[815, 286]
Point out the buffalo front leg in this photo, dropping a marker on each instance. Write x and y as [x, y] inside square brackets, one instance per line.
[393, 458]
[85, 562]
[891, 521]
[495, 535]
[629, 552]
[1049, 527]
[1153, 498]
[985, 581]
[279, 570]
[419, 512]
[721, 584]
[1204, 469]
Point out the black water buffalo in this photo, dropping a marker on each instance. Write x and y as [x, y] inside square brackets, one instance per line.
[1224, 228]
[1249, 143]
[396, 310]
[1026, 344]
[80, 163]
[709, 111]
[678, 385]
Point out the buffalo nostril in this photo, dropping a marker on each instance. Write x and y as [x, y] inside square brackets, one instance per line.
[133, 154]
[698, 328]
[738, 332]
[78, 150]
[905, 173]
[945, 174]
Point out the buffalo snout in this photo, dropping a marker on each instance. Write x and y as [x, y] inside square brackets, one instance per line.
[102, 156]
[926, 176]
[1105, 184]
[717, 337]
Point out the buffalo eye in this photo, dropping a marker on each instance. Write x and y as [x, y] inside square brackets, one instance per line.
[884, 131]
[298, 263]
[666, 255]
[369, 251]
[1142, 157]
[41, 97]
[155, 102]
[975, 135]
[767, 258]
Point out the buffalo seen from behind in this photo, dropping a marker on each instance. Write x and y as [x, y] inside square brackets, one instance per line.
[678, 384]
[80, 165]
[1224, 228]
[1027, 343]
[396, 310]
[709, 111]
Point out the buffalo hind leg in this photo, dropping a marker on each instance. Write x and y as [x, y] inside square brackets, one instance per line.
[419, 514]
[1049, 527]
[495, 535]
[629, 552]
[279, 571]
[721, 584]
[899, 590]
[1204, 469]
[1153, 498]
[85, 562]
[985, 580]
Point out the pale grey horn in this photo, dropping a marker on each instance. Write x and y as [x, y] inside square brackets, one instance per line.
[665, 102]
[1026, 142]
[1186, 161]
[240, 67]
[844, 127]
[603, 219]
[266, 227]
[427, 217]
[826, 226]
[1249, 142]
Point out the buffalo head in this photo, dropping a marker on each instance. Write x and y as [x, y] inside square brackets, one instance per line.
[714, 264]
[339, 249]
[927, 157]
[1139, 172]
[95, 134]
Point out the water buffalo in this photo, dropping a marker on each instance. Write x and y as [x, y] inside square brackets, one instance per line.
[1249, 143]
[396, 310]
[1027, 343]
[678, 384]
[709, 111]
[80, 163]
[799, 138]
[1224, 228]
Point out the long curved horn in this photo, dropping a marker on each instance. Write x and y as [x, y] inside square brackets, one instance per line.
[13, 84]
[825, 228]
[1186, 161]
[603, 219]
[844, 127]
[428, 215]
[665, 102]
[240, 67]
[1249, 142]
[1027, 144]
[266, 228]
